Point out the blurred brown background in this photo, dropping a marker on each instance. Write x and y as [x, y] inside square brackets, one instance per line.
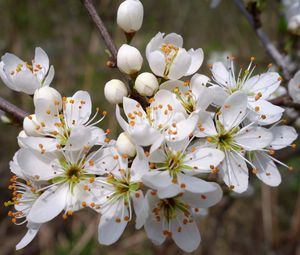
[265, 222]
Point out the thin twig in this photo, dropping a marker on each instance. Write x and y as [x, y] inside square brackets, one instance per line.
[274, 53]
[88, 4]
[13, 111]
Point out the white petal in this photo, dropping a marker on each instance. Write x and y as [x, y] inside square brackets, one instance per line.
[49, 204]
[153, 227]
[157, 156]
[235, 172]
[188, 238]
[263, 107]
[202, 159]
[174, 39]
[267, 171]
[124, 125]
[219, 95]
[282, 136]
[141, 209]
[184, 128]
[35, 165]
[80, 136]
[157, 63]
[110, 230]
[29, 236]
[170, 85]
[197, 60]
[41, 58]
[5, 79]
[204, 199]
[49, 144]
[180, 65]
[222, 75]
[26, 82]
[157, 179]
[169, 191]
[233, 111]
[206, 125]
[194, 184]
[265, 83]
[254, 138]
[131, 106]
[154, 44]
[139, 166]
[79, 111]
[49, 77]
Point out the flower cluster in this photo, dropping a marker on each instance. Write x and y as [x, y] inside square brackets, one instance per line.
[192, 127]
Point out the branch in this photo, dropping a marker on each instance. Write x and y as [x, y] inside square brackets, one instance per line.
[274, 53]
[16, 113]
[285, 101]
[101, 28]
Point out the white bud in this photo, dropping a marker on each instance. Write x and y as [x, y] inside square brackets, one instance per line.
[114, 91]
[22, 134]
[146, 84]
[130, 15]
[129, 59]
[30, 125]
[294, 24]
[125, 145]
[48, 93]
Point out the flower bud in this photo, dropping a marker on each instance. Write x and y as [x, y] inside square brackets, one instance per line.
[114, 91]
[130, 15]
[129, 59]
[125, 145]
[48, 93]
[146, 84]
[30, 125]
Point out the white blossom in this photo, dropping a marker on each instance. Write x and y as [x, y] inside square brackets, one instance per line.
[118, 194]
[174, 166]
[67, 178]
[165, 119]
[226, 133]
[169, 60]
[192, 94]
[26, 77]
[258, 89]
[175, 217]
[52, 128]
[265, 167]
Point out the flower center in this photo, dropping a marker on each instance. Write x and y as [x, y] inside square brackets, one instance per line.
[170, 51]
[122, 187]
[73, 173]
[171, 207]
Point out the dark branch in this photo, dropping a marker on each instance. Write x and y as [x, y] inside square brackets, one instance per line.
[13, 111]
[285, 101]
[274, 53]
[88, 4]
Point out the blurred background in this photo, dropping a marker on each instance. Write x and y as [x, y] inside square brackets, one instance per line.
[264, 221]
